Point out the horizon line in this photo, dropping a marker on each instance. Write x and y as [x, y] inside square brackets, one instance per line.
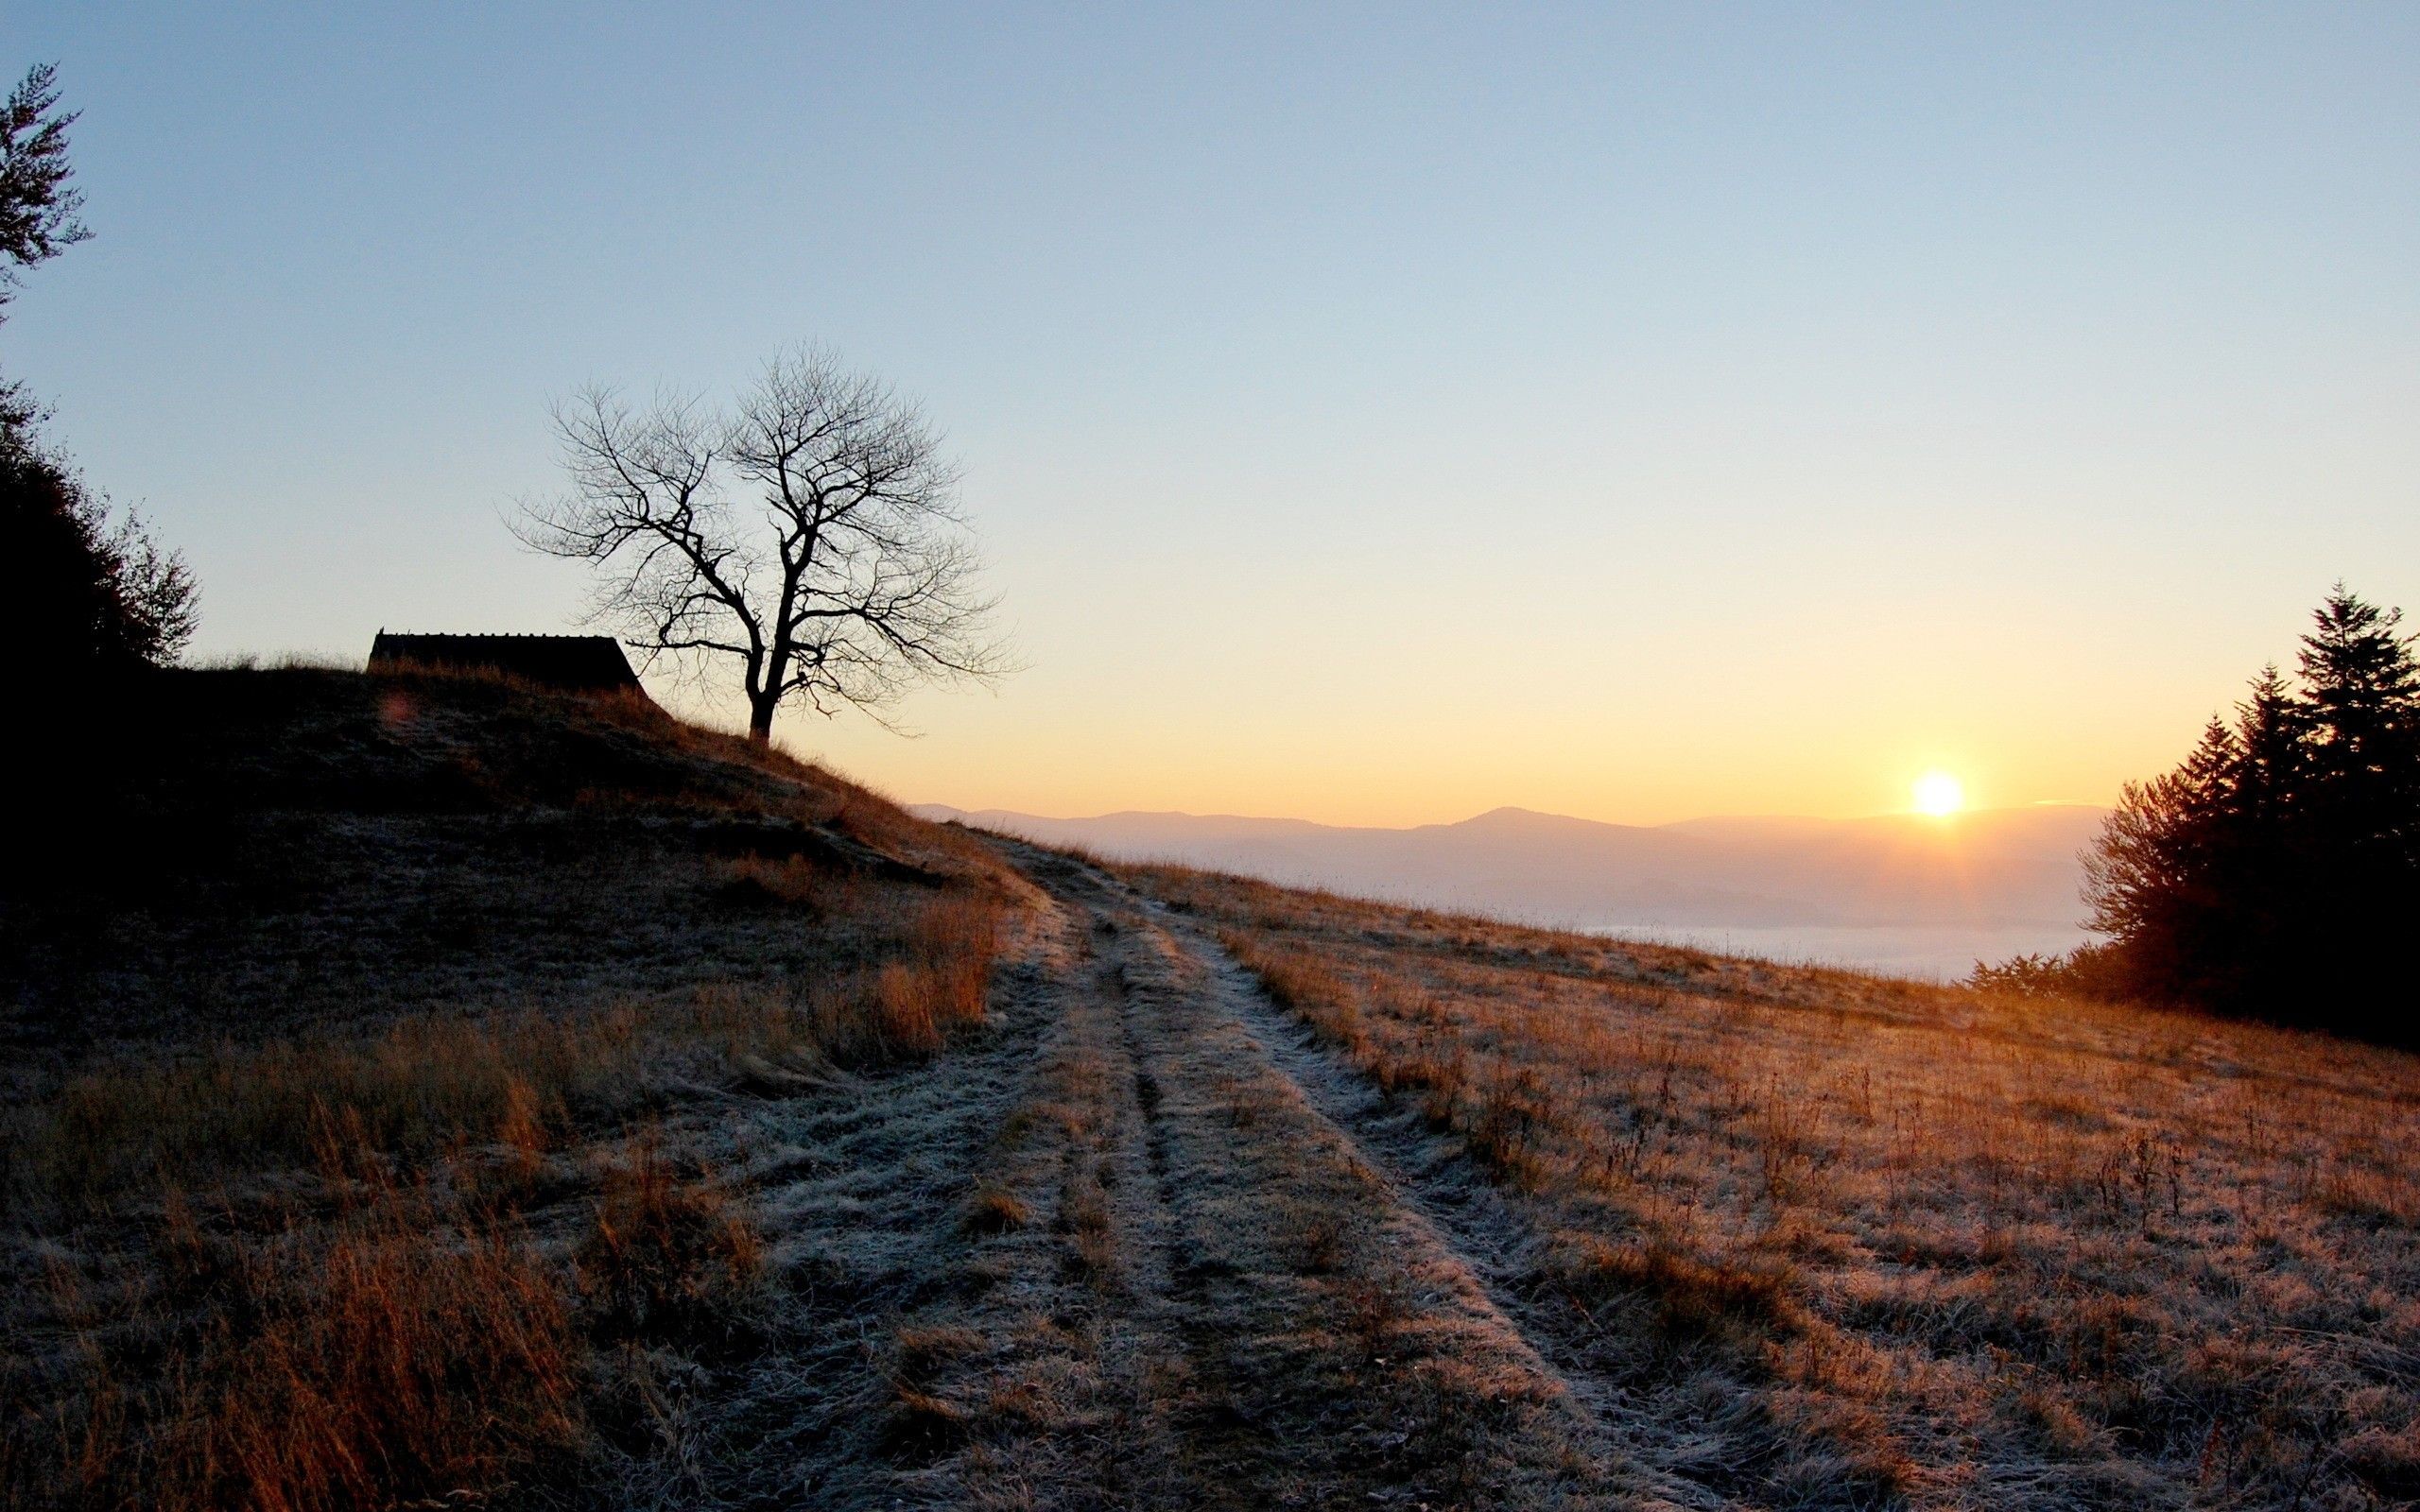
[1515, 808]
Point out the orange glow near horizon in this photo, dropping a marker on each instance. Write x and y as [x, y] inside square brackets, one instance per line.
[1382, 425]
[1938, 794]
[1143, 691]
[1222, 752]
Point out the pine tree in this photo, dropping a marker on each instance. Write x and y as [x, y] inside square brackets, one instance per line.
[2271, 729]
[2277, 872]
[85, 595]
[37, 208]
[2358, 820]
[2261, 852]
[2363, 698]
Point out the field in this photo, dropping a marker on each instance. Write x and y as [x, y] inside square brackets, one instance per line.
[433, 1091]
[1801, 1236]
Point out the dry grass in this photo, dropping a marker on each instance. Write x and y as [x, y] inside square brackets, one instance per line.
[786, 881]
[918, 1001]
[412, 1344]
[405, 1345]
[366, 1333]
[1183, 1289]
[665, 1255]
[996, 1209]
[311, 1221]
[384, 1319]
[425, 1081]
[1934, 1248]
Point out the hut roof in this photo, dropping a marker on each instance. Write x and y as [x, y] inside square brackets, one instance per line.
[586, 663]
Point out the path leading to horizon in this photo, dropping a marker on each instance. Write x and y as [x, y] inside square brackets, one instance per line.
[1184, 1261]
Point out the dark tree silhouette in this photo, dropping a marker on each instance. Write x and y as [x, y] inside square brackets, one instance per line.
[37, 208]
[2151, 878]
[86, 595]
[2358, 822]
[808, 540]
[2363, 754]
[2277, 872]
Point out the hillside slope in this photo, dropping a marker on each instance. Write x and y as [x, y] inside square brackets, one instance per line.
[401, 1068]
[309, 847]
[515, 1101]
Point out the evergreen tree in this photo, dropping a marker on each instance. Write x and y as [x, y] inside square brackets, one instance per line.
[87, 596]
[2360, 820]
[2277, 872]
[2259, 852]
[37, 210]
[2272, 763]
[2363, 698]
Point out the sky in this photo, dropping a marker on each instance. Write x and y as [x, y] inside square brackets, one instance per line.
[1369, 414]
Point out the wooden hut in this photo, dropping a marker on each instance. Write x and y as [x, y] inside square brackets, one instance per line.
[575, 663]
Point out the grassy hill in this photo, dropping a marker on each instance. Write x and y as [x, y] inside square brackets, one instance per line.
[1835, 1240]
[301, 846]
[428, 1091]
[369, 1039]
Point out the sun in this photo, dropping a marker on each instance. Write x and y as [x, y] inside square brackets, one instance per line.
[1939, 795]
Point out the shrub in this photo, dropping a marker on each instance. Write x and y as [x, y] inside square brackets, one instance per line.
[2091, 971]
[665, 1254]
[996, 1209]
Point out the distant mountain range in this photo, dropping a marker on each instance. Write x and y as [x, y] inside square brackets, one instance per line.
[1988, 867]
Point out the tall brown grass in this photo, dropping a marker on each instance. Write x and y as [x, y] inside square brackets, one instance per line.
[363, 1308]
[1933, 1247]
[665, 1254]
[429, 1079]
[407, 1348]
[907, 1007]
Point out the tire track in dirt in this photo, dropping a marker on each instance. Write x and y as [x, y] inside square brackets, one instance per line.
[1093, 1357]
[1344, 1336]
[1162, 1342]
[1501, 1245]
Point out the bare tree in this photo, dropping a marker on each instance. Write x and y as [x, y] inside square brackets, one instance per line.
[811, 536]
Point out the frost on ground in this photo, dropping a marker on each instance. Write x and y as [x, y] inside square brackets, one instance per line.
[1183, 1286]
[880, 1164]
[382, 1068]
[1825, 1240]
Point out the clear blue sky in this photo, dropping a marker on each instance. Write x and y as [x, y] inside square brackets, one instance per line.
[1370, 413]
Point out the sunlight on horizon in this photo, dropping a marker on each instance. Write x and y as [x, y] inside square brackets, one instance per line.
[1580, 403]
[1939, 795]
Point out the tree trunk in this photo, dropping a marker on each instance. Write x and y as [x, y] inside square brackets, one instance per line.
[776, 671]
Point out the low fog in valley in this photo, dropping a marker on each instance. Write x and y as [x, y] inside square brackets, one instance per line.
[1909, 894]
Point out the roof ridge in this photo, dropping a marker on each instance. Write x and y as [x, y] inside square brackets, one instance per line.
[558, 661]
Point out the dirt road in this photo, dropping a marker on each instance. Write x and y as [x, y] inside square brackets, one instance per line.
[1150, 1249]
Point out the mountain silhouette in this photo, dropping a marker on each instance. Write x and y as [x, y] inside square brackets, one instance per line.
[1992, 866]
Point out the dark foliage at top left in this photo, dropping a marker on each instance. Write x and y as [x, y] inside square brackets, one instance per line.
[89, 595]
